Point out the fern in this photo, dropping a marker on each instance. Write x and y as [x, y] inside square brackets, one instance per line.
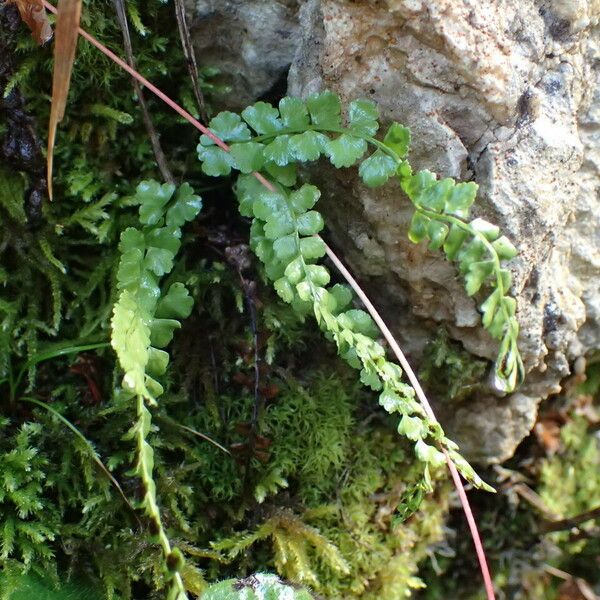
[143, 322]
[303, 131]
[285, 228]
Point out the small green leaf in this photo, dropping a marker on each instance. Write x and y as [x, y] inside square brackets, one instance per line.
[345, 150]
[434, 196]
[437, 233]
[454, 241]
[286, 247]
[227, 126]
[152, 199]
[278, 225]
[161, 332]
[307, 146]
[159, 261]
[471, 253]
[304, 290]
[294, 113]
[304, 198]
[215, 161]
[294, 272]
[278, 151]
[310, 223]
[130, 268]
[186, 207]
[247, 157]
[362, 117]
[177, 303]
[506, 279]
[284, 175]
[284, 289]
[268, 203]
[429, 454]
[460, 199]
[263, 118]
[247, 188]
[504, 248]
[158, 360]
[412, 427]
[370, 379]
[312, 247]
[324, 109]
[318, 274]
[342, 295]
[489, 231]
[167, 238]
[476, 275]
[488, 308]
[415, 186]
[377, 169]
[398, 139]
[132, 239]
[419, 227]
[359, 321]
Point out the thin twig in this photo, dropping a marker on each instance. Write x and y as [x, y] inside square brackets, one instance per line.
[161, 159]
[420, 394]
[572, 521]
[190, 57]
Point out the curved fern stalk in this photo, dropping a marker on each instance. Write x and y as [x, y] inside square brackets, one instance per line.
[143, 322]
[303, 131]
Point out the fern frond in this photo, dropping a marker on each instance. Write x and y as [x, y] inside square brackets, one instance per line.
[143, 323]
[303, 131]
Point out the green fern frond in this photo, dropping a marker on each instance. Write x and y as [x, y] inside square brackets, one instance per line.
[303, 131]
[143, 323]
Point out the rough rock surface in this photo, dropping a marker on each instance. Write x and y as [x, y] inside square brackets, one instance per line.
[505, 93]
[251, 41]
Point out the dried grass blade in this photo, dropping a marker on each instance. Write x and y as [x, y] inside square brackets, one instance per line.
[65, 46]
[34, 16]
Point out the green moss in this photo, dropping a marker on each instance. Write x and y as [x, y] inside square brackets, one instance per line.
[449, 370]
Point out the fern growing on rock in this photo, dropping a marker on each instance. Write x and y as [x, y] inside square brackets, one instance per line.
[285, 228]
[144, 319]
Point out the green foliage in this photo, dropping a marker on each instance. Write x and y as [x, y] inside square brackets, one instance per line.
[29, 521]
[300, 132]
[284, 229]
[28, 587]
[324, 503]
[143, 322]
[449, 370]
[570, 481]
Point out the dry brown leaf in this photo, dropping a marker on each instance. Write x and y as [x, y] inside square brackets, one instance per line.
[65, 45]
[34, 16]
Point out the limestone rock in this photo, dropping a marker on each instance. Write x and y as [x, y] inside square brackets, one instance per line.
[500, 93]
[251, 41]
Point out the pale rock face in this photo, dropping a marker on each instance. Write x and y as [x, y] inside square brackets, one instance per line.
[504, 93]
[251, 41]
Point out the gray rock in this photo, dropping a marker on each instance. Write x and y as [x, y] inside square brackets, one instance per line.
[251, 41]
[501, 93]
